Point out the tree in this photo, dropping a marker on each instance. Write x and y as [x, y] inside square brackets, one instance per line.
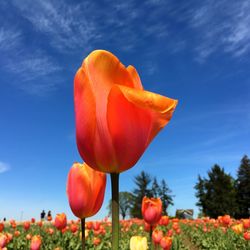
[166, 197]
[217, 194]
[125, 204]
[142, 182]
[243, 188]
[155, 188]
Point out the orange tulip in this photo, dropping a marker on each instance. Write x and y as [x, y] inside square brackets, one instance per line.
[116, 119]
[85, 189]
[36, 242]
[60, 221]
[151, 210]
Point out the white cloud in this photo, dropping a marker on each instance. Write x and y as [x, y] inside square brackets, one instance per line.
[4, 167]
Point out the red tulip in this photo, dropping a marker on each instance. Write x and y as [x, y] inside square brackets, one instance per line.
[85, 189]
[164, 220]
[151, 210]
[166, 242]
[157, 236]
[3, 240]
[36, 242]
[1, 227]
[246, 223]
[60, 221]
[73, 228]
[116, 119]
[246, 235]
[26, 225]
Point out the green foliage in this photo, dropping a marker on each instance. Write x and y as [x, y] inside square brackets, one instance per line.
[166, 197]
[215, 239]
[125, 204]
[243, 188]
[143, 188]
[217, 194]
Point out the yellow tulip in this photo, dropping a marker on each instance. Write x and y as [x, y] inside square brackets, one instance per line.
[138, 243]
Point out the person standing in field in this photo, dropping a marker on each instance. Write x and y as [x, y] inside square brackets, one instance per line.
[49, 216]
[43, 215]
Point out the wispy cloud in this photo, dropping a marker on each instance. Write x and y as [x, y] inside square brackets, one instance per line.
[4, 167]
[9, 38]
[74, 27]
[35, 72]
[222, 25]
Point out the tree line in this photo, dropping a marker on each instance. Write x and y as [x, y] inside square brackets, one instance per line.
[146, 185]
[219, 193]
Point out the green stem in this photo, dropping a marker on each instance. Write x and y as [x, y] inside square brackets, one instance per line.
[115, 210]
[83, 233]
[150, 238]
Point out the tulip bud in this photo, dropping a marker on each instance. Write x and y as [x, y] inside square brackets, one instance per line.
[151, 210]
[60, 221]
[246, 235]
[26, 225]
[36, 242]
[3, 240]
[157, 236]
[1, 227]
[138, 243]
[85, 189]
[166, 242]
[246, 223]
[164, 220]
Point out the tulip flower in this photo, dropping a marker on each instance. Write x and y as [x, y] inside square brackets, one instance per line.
[116, 119]
[1, 227]
[166, 243]
[26, 225]
[36, 242]
[60, 221]
[3, 240]
[85, 189]
[138, 243]
[238, 228]
[157, 236]
[246, 235]
[151, 210]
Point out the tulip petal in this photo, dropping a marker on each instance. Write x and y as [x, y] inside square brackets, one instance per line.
[144, 115]
[135, 77]
[85, 115]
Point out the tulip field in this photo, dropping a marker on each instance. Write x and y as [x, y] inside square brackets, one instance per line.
[224, 233]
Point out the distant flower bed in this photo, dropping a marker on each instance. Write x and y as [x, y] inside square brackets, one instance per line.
[223, 233]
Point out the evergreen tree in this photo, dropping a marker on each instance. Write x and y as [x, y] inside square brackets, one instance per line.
[142, 182]
[217, 194]
[243, 188]
[155, 188]
[166, 197]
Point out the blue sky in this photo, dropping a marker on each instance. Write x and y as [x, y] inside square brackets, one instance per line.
[196, 52]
